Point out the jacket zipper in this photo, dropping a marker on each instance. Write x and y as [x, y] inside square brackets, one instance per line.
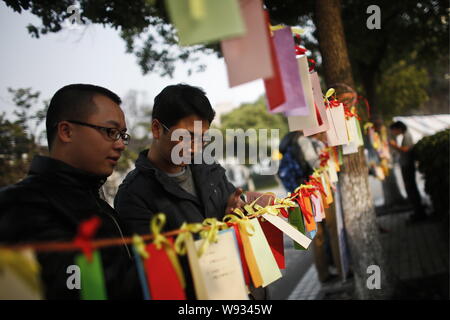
[115, 222]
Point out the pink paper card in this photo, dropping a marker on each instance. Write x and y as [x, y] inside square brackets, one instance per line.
[306, 87]
[290, 77]
[248, 57]
[337, 133]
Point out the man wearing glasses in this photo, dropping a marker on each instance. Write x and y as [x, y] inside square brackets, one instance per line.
[183, 191]
[86, 135]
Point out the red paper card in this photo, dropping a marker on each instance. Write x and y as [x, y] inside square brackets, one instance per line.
[162, 278]
[274, 86]
[245, 269]
[274, 237]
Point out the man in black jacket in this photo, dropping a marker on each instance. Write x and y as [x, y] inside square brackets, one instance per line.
[183, 191]
[86, 136]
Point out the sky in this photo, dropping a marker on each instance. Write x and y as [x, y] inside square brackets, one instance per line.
[95, 55]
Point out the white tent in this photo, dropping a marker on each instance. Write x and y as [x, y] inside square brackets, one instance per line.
[421, 126]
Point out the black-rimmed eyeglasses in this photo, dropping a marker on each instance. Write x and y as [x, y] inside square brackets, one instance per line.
[112, 133]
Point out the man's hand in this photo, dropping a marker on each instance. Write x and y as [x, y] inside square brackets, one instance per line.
[235, 201]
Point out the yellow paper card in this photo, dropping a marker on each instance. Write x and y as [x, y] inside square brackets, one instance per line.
[194, 265]
[19, 276]
[250, 257]
[264, 259]
[326, 185]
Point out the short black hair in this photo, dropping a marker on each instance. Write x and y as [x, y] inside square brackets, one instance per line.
[73, 102]
[398, 125]
[179, 101]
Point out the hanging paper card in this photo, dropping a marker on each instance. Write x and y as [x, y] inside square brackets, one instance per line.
[296, 118]
[352, 146]
[274, 85]
[310, 224]
[141, 274]
[245, 269]
[335, 157]
[221, 269]
[332, 171]
[316, 203]
[290, 77]
[92, 279]
[327, 186]
[337, 133]
[296, 220]
[274, 237]
[349, 148]
[194, 264]
[289, 230]
[248, 57]
[258, 250]
[358, 130]
[340, 157]
[221, 20]
[19, 276]
[163, 280]
[250, 255]
[318, 100]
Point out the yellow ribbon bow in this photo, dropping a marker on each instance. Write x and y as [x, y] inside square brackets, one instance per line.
[139, 245]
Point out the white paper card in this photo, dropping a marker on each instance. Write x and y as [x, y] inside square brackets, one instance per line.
[288, 229]
[221, 268]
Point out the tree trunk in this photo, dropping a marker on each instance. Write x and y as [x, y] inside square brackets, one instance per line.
[359, 215]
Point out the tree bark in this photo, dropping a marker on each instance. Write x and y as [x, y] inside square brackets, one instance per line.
[359, 214]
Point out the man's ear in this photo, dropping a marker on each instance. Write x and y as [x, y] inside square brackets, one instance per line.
[64, 132]
[155, 127]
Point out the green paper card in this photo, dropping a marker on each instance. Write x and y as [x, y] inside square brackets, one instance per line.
[341, 160]
[358, 129]
[92, 279]
[220, 20]
[296, 220]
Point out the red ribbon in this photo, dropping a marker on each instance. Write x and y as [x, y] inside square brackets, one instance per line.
[324, 157]
[86, 231]
[332, 102]
[349, 113]
[284, 213]
[319, 186]
[299, 51]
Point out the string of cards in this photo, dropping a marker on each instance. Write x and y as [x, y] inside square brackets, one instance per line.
[247, 246]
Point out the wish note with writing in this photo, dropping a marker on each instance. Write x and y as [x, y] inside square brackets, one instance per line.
[220, 269]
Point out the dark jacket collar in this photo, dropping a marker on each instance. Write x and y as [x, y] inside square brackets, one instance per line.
[52, 169]
[205, 177]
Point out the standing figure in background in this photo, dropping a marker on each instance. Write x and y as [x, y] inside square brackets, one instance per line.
[408, 169]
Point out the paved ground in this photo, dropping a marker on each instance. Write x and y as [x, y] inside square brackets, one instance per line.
[418, 255]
